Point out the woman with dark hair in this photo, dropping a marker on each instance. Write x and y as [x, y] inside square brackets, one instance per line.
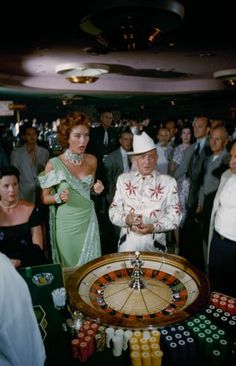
[183, 183]
[21, 237]
[66, 187]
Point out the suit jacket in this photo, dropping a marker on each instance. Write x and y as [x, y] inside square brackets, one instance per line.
[3, 158]
[213, 169]
[225, 176]
[28, 172]
[193, 166]
[96, 145]
[113, 166]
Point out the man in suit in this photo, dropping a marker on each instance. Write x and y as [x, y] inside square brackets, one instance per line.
[194, 158]
[222, 233]
[172, 127]
[116, 163]
[30, 159]
[192, 165]
[103, 139]
[214, 166]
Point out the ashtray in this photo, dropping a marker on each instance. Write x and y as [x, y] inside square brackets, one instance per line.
[42, 279]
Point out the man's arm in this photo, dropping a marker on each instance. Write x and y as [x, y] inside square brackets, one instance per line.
[171, 215]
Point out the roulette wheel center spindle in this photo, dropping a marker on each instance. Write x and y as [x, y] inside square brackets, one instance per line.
[137, 283]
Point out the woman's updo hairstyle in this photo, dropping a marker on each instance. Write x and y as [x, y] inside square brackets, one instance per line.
[67, 123]
[9, 170]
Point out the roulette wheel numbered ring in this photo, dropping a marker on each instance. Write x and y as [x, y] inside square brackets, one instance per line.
[172, 290]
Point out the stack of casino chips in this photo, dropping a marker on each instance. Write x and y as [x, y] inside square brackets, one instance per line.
[178, 345]
[100, 339]
[223, 319]
[82, 345]
[212, 342]
[224, 302]
[145, 348]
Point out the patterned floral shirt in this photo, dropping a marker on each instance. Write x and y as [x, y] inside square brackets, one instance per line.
[155, 197]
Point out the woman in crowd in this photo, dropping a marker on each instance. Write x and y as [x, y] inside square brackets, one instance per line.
[66, 187]
[21, 237]
[183, 183]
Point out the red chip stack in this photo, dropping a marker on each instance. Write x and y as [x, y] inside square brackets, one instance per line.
[226, 303]
[82, 346]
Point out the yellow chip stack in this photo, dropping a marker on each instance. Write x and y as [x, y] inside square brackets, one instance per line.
[154, 347]
[156, 358]
[138, 334]
[134, 347]
[143, 341]
[156, 333]
[146, 359]
[135, 358]
[145, 348]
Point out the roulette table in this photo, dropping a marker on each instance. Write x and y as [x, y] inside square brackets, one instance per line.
[138, 290]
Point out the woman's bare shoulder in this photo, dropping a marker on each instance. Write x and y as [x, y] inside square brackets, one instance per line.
[91, 159]
[25, 205]
[48, 167]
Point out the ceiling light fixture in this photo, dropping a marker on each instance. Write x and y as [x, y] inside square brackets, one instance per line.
[82, 73]
[132, 24]
[227, 75]
[82, 79]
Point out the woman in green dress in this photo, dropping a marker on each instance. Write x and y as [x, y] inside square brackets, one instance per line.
[66, 185]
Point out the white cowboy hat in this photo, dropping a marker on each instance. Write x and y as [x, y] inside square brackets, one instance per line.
[142, 144]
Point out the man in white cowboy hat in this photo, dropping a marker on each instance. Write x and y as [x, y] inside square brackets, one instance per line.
[146, 203]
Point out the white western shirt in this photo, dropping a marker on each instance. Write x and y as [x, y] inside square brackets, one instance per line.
[155, 197]
[225, 219]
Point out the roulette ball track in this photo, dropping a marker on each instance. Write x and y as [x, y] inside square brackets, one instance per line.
[138, 290]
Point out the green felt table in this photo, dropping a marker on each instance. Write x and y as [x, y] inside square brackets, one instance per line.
[56, 339]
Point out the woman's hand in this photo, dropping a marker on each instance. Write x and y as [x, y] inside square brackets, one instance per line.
[98, 187]
[64, 195]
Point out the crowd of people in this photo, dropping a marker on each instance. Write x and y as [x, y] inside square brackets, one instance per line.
[115, 189]
[107, 191]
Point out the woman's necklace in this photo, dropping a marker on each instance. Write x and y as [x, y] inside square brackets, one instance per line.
[12, 206]
[75, 159]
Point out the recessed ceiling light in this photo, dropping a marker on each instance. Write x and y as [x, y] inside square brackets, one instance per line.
[81, 70]
[82, 79]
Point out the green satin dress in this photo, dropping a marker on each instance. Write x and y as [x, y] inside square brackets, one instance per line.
[74, 231]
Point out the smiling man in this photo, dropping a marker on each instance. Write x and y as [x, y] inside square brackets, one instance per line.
[146, 203]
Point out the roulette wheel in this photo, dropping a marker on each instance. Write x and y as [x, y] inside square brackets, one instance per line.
[138, 290]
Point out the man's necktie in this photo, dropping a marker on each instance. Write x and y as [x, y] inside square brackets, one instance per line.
[197, 149]
[105, 140]
[129, 162]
